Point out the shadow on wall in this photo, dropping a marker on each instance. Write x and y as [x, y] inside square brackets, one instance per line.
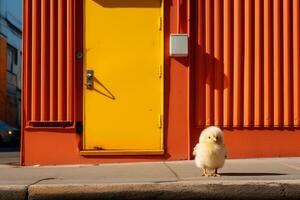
[208, 83]
[213, 69]
[129, 3]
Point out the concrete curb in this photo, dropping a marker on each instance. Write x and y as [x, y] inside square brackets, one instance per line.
[13, 192]
[174, 190]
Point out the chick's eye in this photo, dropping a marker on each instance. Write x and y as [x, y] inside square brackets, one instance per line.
[209, 137]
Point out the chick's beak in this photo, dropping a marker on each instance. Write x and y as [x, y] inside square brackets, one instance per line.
[215, 139]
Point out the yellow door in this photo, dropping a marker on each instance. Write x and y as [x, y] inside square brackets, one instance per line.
[123, 89]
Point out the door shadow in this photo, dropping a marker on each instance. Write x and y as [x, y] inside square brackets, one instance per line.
[107, 92]
[252, 174]
[129, 3]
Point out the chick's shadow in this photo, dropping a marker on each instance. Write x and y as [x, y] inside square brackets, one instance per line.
[252, 174]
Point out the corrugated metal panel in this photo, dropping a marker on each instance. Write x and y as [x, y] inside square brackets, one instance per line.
[49, 59]
[258, 63]
[246, 63]
[296, 60]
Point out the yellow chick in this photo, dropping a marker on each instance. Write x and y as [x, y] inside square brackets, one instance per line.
[210, 152]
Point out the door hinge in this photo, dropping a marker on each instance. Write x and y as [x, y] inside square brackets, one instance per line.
[98, 147]
[160, 121]
[160, 71]
[160, 23]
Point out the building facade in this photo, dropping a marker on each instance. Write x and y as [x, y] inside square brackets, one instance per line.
[102, 83]
[10, 63]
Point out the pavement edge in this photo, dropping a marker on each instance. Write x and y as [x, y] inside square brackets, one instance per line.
[174, 190]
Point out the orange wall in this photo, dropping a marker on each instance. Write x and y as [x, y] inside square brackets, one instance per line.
[259, 142]
[229, 80]
[49, 61]
[62, 146]
[245, 75]
[245, 72]
[263, 143]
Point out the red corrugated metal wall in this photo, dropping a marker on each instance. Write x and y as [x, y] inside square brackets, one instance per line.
[49, 61]
[246, 63]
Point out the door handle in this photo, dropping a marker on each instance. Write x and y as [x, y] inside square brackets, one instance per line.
[89, 79]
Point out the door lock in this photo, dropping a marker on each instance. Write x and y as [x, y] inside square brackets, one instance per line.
[89, 79]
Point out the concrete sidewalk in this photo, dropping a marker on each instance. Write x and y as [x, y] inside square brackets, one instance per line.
[242, 179]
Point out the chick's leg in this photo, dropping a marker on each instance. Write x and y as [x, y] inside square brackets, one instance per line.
[215, 174]
[204, 173]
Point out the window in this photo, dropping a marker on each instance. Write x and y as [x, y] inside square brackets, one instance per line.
[12, 58]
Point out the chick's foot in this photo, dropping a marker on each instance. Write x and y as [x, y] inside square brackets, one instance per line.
[216, 175]
[206, 174]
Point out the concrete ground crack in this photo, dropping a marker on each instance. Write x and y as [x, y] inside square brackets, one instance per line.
[38, 181]
[173, 172]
